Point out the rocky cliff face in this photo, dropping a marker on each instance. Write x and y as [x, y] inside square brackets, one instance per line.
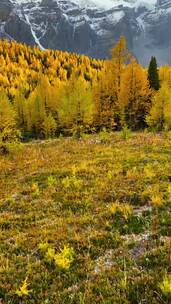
[90, 27]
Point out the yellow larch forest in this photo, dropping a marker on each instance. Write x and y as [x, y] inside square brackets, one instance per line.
[47, 93]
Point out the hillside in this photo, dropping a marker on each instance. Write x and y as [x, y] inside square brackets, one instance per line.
[85, 182]
[22, 66]
[86, 221]
[47, 93]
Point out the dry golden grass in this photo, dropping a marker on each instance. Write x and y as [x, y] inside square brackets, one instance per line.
[91, 206]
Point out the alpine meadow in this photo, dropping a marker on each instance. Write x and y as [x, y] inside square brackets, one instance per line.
[85, 177]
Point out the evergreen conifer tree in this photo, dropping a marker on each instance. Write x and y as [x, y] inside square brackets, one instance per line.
[153, 75]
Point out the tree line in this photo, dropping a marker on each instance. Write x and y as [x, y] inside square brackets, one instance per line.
[47, 93]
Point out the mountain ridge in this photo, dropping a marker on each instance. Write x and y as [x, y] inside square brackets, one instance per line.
[90, 28]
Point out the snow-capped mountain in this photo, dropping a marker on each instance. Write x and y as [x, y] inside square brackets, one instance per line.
[90, 26]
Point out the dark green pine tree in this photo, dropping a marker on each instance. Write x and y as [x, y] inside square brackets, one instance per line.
[153, 74]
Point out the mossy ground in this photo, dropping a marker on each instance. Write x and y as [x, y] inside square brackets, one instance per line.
[66, 193]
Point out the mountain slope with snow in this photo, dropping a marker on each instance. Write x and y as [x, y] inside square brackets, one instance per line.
[90, 26]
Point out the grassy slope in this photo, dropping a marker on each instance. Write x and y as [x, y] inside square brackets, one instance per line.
[67, 193]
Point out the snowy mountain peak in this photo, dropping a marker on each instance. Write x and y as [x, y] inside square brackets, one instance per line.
[108, 4]
[90, 26]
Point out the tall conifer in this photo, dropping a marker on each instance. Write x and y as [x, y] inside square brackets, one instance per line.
[153, 75]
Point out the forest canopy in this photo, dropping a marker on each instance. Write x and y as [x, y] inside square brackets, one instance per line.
[48, 93]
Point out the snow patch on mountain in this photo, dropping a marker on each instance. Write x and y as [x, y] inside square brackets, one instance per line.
[108, 4]
[103, 4]
[33, 33]
[25, 1]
